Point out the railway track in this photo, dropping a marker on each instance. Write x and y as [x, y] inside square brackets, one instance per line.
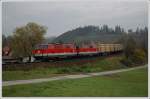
[55, 62]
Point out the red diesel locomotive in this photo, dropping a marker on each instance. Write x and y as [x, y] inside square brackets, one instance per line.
[62, 50]
[48, 51]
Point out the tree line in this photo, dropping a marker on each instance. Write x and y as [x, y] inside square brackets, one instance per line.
[98, 30]
[135, 47]
[25, 38]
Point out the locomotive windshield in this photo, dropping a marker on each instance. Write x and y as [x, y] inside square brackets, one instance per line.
[41, 47]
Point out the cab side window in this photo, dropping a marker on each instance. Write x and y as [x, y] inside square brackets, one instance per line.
[91, 46]
[67, 46]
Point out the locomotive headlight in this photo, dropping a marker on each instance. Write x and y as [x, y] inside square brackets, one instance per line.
[38, 51]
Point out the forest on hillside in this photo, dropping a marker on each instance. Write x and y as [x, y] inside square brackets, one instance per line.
[104, 34]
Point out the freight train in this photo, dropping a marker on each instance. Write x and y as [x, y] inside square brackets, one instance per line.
[59, 50]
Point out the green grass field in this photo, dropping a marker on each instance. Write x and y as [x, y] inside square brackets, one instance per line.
[127, 84]
[102, 64]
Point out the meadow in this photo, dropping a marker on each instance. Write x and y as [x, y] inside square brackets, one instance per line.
[127, 84]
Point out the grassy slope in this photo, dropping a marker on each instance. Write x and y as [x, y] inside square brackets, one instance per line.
[109, 63]
[131, 83]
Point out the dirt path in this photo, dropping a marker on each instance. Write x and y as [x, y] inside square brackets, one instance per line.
[17, 82]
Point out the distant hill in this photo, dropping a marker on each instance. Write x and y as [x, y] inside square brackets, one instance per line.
[91, 33]
[49, 39]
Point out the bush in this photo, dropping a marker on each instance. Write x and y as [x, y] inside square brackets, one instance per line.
[137, 58]
[127, 61]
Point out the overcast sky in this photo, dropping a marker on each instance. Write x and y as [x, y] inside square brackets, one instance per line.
[61, 16]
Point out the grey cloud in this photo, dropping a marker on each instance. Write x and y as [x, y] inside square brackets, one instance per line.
[62, 16]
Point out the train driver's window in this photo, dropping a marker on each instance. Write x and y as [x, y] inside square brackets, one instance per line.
[37, 47]
[58, 46]
[91, 46]
[67, 46]
[42, 46]
[51, 46]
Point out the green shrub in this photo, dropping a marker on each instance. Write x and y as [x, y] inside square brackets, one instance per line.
[127, 61]
[139, 56]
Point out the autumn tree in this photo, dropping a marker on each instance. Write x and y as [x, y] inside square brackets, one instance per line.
[25, 38]
[130, 47]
